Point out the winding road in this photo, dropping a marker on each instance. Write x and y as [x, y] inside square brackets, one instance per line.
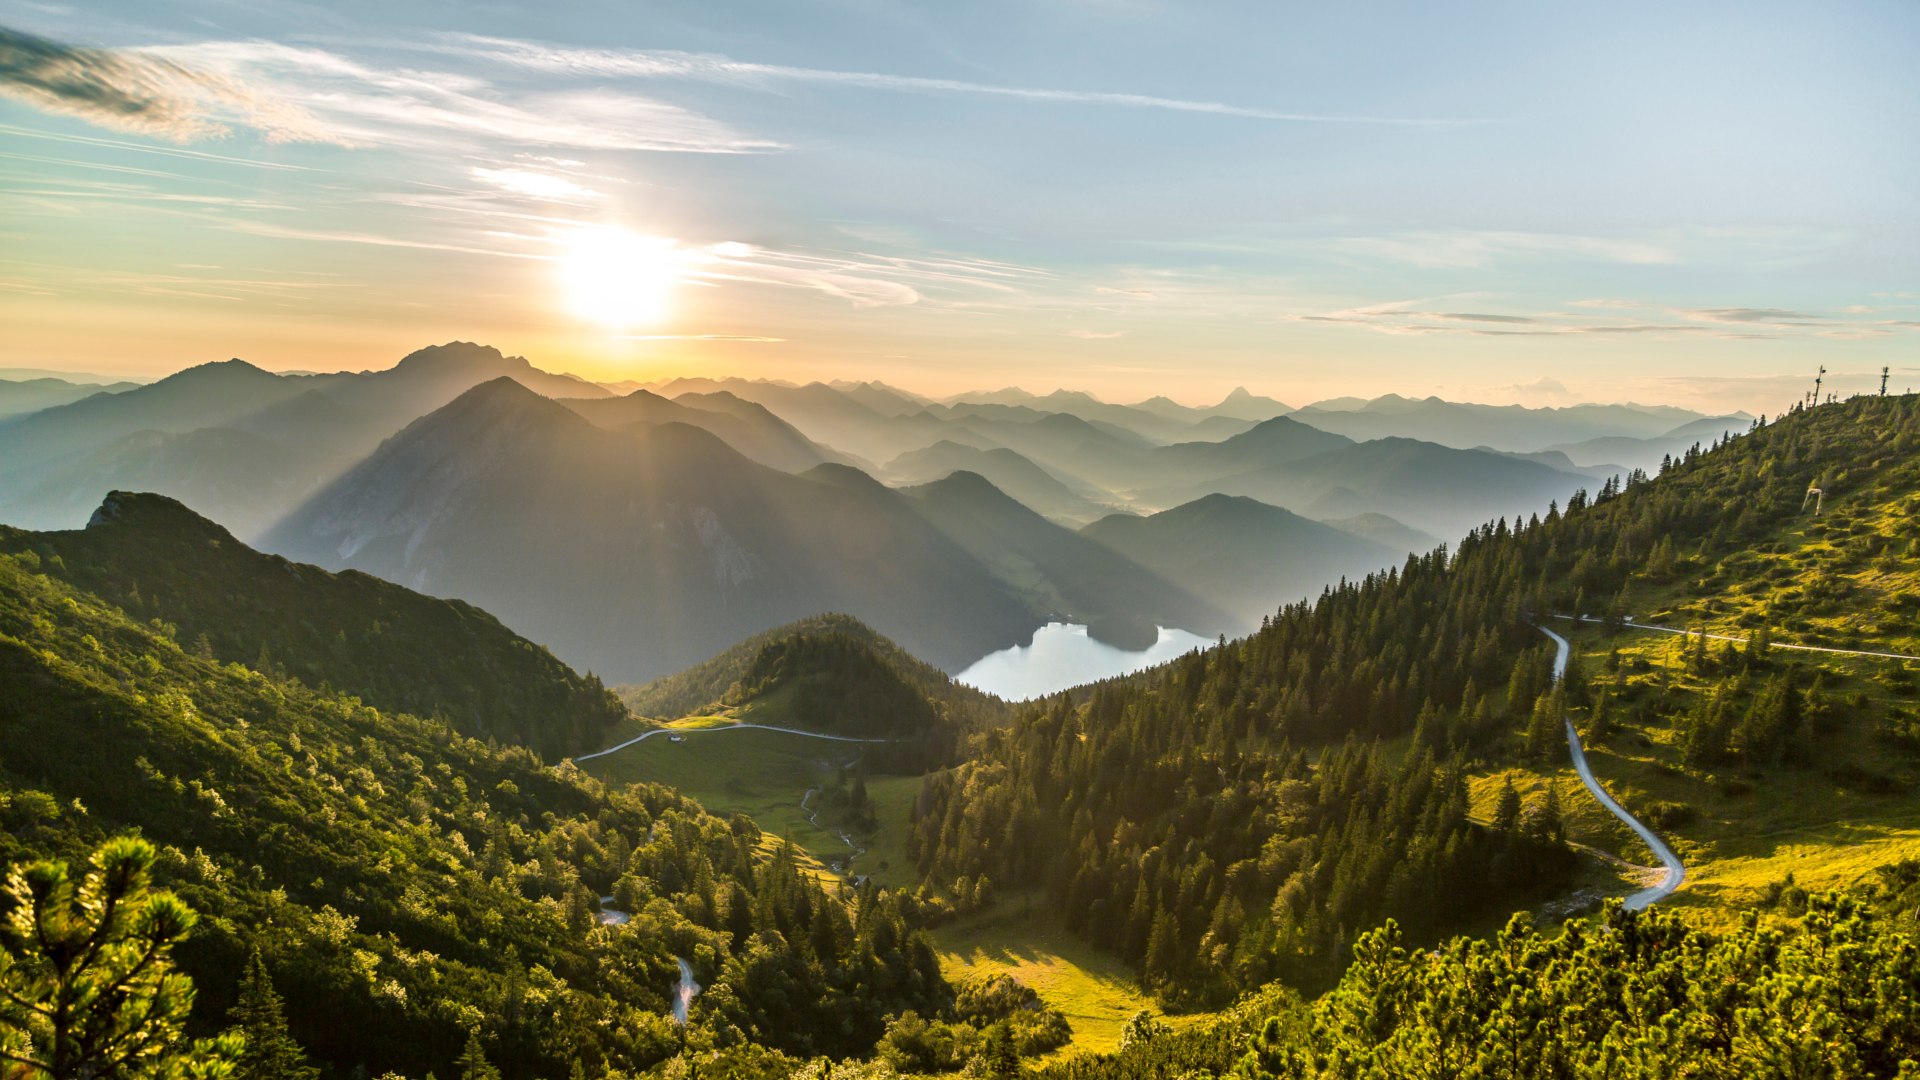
[722, 727]
[1676, 871]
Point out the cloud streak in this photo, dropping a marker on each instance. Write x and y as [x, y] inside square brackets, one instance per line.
[711, 67]
[143, 94]
[421, 110]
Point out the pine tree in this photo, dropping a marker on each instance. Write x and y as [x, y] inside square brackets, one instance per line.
[271, 1053]
[1506, 813]
[473, 1060]
[87, 986]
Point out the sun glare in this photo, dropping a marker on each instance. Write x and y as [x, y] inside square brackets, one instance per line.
[617, 278]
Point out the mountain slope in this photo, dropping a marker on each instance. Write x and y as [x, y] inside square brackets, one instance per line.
[394, 649]
[1383, 530]
[1433, 488]
[210, 395]
[1243, 556]
[410, 889]
[21, 396]
[180, 436]
[1268, 443]
[757, 675]
[248, 477]
[1033, 486]
[1122, 602]
[753, 431]
[1647, 453]
[1752, 760]
[636, 553]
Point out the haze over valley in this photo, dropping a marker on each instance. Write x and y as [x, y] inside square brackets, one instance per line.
[1061, 540]
[638, 530]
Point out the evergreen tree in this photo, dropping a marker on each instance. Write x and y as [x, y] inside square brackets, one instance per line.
[270, 1052]
[87, 986]
[473, 1060]
[1506, 813]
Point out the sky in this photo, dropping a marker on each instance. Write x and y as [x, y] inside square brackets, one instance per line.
[1695, 204]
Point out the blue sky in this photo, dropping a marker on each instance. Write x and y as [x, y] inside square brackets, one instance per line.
[1538, 202]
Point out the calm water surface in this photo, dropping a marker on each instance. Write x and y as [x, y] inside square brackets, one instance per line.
[1062, 656]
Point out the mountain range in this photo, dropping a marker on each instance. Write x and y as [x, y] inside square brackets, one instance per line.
[725, 507]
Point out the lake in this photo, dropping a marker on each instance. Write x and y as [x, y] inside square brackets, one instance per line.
[1063, 656]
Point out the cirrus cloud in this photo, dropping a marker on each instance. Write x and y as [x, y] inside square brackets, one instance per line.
[145, 94]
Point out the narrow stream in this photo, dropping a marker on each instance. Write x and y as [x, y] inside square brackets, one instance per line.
[685, 992]
[854, 850]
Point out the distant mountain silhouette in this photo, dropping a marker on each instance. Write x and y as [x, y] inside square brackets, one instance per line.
[638, 552]
[1076, 580]
[1631, 453]
[21, 396]
[1242, 555]
[743, 425]
[1502, 427]
[302, 430]
[1032, 485]
[1434, 488]
[1385, 531]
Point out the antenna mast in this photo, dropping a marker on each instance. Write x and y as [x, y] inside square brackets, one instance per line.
[1883, 382]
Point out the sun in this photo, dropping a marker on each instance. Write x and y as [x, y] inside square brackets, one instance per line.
[617, 278]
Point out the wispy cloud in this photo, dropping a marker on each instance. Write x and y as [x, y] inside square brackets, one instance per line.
[362, 104]
[711, 67]
[342, 236]
[1471, 316]
[1475, 249]
[1096, 335]
[537, 185]
[162, 151]
[1754, 316]
[142, 93]
[1605, 318]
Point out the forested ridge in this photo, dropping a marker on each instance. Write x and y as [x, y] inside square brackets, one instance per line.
[394, 648]
[1224, 818]
[1243, 820]
[414, 891]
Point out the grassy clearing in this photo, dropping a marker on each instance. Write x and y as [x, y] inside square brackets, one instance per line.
[763, 774]
[1829, 823]
[1017, 937]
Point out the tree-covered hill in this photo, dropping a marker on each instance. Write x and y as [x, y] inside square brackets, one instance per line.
[410, 888]
[830, 673]
[1760, 757]
[393, 648]
[1219, 832]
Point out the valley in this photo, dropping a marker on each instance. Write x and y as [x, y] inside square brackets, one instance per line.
[1131, 839]
[1106, 540]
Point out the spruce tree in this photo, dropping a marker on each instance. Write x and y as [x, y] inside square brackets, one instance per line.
[271, 1053]
[1506, 813]
[473, 1060]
